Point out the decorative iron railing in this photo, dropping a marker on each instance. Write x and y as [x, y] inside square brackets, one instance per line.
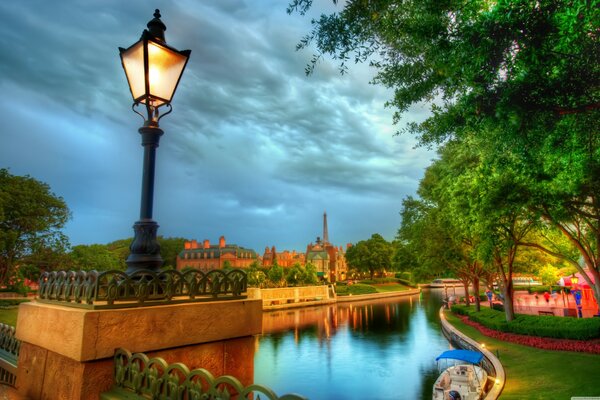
[116, 289]
[9, 354]
[136, 374]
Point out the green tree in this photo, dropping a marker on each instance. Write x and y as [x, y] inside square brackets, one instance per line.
[31, 217]
[169, 249]
[548, 275]
[309, 275]
[372, 255]
[520, 76]
[275, 274]
[294, 275]
[256, 277]
[95, 257]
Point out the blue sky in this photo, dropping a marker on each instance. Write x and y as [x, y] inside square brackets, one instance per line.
[254, 149]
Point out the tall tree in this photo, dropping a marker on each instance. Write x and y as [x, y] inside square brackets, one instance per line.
[372, 255]
[95, 257]
[521, 75]
[31, 217]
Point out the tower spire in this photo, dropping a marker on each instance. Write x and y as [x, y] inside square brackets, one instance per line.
[325, 233]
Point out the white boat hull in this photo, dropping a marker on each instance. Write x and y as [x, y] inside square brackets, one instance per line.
[466, 380]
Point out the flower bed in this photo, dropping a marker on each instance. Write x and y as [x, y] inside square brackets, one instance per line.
[533, 325]
[582, 346]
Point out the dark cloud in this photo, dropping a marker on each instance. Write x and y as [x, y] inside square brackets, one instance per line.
[254, 149]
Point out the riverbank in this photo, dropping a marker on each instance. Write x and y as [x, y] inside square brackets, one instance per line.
[306, 296]
[373, 296]
[533, 373]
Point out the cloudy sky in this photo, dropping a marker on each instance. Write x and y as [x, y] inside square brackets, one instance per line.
[254, 150]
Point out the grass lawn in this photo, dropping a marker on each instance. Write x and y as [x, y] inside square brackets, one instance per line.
[9, 316]
[389, 287]
[540, 374]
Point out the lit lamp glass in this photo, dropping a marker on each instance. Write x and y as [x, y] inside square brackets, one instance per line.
[153, 71]
[153, 68]
[574, 280]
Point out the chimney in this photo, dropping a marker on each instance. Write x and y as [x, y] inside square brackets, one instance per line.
[206, 244]
[222, 242]
[187, 245]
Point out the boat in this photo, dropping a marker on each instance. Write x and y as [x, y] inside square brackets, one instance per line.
[441, 283]
[465, 380]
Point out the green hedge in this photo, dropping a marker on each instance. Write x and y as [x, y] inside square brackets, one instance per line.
[406, 283]
[355, 289]
[11, 302]
[375, 281]
[407, 276]
[542, 289]
[533, 325]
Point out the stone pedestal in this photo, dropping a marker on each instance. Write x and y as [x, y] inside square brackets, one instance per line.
[67, 352]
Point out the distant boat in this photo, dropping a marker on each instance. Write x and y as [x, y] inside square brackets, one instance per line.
[444, 282]
[465, 380]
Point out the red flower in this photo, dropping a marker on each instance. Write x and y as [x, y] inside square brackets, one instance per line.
[582, 346]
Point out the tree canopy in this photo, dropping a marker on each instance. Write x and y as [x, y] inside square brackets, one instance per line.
[31, 219]
[372, 255]
[515, 84]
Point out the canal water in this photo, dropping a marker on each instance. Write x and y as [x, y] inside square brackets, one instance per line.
[380, 349]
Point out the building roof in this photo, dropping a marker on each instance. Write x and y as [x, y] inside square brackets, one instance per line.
[214, 251]
[317, 255]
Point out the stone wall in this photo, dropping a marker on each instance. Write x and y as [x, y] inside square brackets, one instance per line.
[292, 296]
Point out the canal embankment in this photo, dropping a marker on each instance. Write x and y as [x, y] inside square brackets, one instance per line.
[304, 296]
[492, 364]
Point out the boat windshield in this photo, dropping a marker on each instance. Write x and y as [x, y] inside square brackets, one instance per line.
[473, 357]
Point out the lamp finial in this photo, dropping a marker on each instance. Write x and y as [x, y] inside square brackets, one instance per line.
[156, 27]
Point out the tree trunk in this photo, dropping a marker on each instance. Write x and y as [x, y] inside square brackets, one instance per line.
[509, 309]
[476, 293]
[466, 286]
[596, 288]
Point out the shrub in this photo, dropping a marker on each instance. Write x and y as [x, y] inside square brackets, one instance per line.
[406, 283]
[376, 281]
[355, 289]
[407, 276]
[11, 302]
[533, 325]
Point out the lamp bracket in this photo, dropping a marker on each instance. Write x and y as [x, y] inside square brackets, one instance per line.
[153, 114]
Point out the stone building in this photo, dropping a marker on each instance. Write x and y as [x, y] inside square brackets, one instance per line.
[206, 256]
[328, 259]
[284, 259]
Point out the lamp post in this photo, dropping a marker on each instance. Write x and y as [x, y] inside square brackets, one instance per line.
[153, 71]
[576, 295]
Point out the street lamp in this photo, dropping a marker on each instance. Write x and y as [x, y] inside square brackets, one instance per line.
[153, 71]
[576, 292]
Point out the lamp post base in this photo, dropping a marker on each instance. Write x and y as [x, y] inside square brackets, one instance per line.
[145, 250]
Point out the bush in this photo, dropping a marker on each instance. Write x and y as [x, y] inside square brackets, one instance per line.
[533, 325]
[355, 289]
[406, 283]
[407, 276]
[541, 288]
[11, 302]
[376, 281]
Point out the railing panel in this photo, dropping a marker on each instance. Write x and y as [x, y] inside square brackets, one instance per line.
[9, 354]
[137, 376]
[116, 289]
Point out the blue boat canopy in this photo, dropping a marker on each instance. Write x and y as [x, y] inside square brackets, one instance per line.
[473, 357]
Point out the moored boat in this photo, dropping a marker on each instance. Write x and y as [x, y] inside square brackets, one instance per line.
[465, 380]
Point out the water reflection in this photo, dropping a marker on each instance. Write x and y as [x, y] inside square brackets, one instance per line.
[380, 349]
